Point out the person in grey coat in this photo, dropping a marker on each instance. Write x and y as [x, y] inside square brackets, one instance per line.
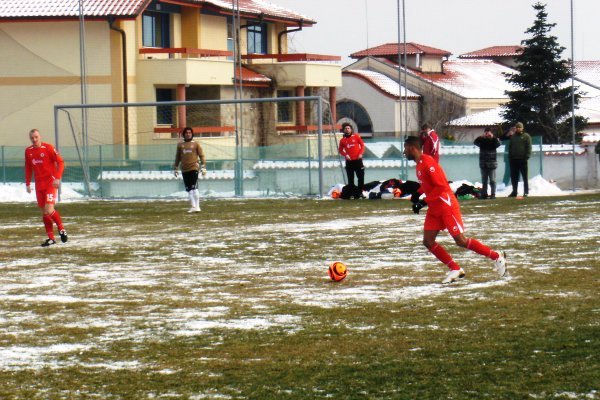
[488, 143]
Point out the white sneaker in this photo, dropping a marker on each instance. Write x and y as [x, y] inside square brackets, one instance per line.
[194, 210]
[500, 264]
[454, 275]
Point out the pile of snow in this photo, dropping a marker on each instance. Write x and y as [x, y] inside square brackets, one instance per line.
[538, 186]
[16, 193]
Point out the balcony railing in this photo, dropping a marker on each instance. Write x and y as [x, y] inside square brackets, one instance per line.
[297, 57]
[184, 52]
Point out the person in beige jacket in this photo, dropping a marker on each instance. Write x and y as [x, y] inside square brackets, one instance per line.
[191, 157]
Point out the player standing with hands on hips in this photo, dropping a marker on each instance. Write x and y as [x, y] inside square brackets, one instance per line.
[188, 153]
[352, 148]
[43, 161]
[443, 213]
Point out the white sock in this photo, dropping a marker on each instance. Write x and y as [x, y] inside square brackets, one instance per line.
[196, 197]
[192, 200]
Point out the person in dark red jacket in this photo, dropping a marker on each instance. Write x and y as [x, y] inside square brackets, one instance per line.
[352, 148]
[430, 142]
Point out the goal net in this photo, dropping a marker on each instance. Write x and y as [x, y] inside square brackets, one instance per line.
[285, 146]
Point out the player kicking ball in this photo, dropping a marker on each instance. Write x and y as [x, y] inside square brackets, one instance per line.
[443, 213]
[43, 161]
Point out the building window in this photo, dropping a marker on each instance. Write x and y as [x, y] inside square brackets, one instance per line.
[156, 29]
[230, 42]
[165, 115]
[284, 108]
[257, 39]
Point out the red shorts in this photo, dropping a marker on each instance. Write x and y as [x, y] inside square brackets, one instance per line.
[46, 195]
[441, 215]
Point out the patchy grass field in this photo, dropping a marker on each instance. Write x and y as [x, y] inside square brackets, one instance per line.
[146, 301]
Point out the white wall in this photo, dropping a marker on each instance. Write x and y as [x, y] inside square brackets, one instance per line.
[381, 108]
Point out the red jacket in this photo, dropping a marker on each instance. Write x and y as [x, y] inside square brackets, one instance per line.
[352, 148]
[431, 144]
[45, 163]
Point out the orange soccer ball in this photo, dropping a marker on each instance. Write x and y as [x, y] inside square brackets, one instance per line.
[337, 271]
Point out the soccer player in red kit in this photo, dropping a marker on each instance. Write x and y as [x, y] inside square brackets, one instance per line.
[430, 142]
[47, 166]
[352, 148]
[443, 213]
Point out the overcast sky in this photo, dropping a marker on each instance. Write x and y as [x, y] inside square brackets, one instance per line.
[458, 26]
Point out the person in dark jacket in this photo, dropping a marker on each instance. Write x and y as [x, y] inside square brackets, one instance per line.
[487, 143]
[519, 151]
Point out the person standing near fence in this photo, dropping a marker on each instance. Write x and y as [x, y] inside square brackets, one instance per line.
[487, 144]
[352, 148]
[443, 213]
[191, 157]
[430, 142]
[505, 141]
[519, 151]
[46, 164]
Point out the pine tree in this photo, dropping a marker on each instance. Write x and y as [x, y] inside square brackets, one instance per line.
[542, 101]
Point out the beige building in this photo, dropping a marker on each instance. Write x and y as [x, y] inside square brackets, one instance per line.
[147, 51]
[447, 89]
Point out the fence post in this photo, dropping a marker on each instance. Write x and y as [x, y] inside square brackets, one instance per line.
[101, 170]
[3, 167]
[320, 138]
[541, 156]
[309, 166]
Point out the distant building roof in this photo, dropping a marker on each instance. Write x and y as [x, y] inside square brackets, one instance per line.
[381, 83]
[472, 79]
[30, 9]
[251, 77]
[588, 108]
[494, 51]
[484, 118]
[391, 49]
[588, 72]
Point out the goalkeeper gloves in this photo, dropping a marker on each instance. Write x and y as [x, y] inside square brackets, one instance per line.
[176, 173]
[203, 170]
[416, 207]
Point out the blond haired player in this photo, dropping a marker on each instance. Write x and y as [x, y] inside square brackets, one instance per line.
[188, 153]
[43, 161]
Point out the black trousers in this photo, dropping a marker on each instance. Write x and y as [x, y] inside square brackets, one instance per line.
[519, 167]
[190, 180]
[356, 167]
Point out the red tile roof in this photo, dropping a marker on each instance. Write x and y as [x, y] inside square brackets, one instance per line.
[494, 51]
[12, 9]
[252, 77]
[391, 49]
[29, 9]
[381, 83]
[258, 7]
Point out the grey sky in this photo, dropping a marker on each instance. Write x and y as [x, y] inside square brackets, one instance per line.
[458, 26]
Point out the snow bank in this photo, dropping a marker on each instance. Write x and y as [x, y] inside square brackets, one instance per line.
[16, 193]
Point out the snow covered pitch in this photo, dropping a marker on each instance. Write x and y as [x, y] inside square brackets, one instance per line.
[147, 301]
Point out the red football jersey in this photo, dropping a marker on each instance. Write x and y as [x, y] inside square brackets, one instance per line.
[432, 179]
[352, 148]
[45, 163]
